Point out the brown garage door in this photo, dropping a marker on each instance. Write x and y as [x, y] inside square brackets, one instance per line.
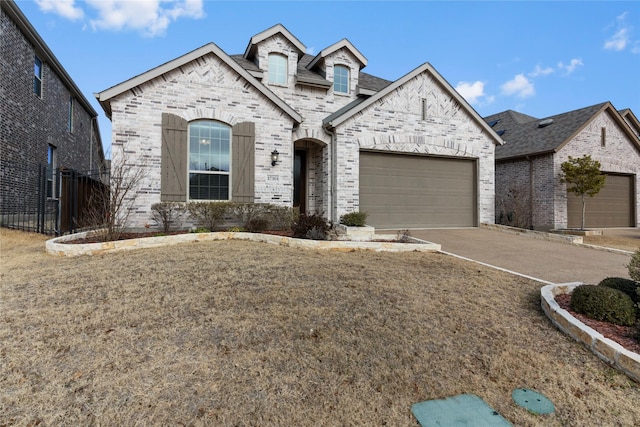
[611, 207]
[409, 191]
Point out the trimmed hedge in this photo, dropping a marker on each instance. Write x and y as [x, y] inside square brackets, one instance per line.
[604, 303]
[628, 286]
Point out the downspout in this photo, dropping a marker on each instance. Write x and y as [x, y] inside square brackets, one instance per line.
[531, 187]
[328, 128]
[93, 119]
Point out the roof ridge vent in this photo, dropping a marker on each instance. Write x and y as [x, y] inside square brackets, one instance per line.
[545, 123]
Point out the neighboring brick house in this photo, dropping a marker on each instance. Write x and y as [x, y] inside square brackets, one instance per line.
[45, 118]
[411, 153]
[529, 192]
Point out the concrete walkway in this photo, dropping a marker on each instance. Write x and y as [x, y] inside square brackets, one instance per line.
[551, 261]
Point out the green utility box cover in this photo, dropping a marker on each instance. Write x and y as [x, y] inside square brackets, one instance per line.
[461, 410]
[533, 401]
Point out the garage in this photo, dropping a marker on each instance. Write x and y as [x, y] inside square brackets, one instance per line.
[612, 207]
[413, 191]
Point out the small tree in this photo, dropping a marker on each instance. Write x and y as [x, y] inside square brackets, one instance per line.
[583, 174]
[111, 208]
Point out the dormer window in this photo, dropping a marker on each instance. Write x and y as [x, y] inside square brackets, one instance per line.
[340, 79]
[277, 69]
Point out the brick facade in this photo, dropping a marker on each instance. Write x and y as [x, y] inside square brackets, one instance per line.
[31, 123]
[618, 155]
[547, 208]
[209, 88]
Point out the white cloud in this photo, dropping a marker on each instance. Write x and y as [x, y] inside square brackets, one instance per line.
[519, 86]
[149, 17]
[540, 71]
[622, 38]
[64, 8]
[618, 41]
[571, 66]
[472, 92]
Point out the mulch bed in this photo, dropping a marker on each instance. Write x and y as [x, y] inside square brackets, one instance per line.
[623, 335]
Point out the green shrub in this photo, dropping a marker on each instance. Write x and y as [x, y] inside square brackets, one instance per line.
[634, 266]
[201, 230]
[628, 286]
[209, 214]
[257, 225]
[247, 213]
[282, 217]
[167, 214]
[604, 303]
[313, 226]
[354, 219]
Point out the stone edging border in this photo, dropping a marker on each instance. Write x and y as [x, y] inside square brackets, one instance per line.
[606, 349]
[56, 246]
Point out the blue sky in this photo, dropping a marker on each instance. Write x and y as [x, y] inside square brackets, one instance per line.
[538, 58]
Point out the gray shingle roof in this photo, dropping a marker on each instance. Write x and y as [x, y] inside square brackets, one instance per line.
[526, 135]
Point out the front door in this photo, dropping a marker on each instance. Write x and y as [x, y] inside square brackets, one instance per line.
[300, 180]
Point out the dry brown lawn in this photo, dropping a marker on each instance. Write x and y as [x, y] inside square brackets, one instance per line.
[626, 243]
[239, 333]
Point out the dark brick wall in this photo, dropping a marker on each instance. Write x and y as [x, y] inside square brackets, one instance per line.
[28, 123]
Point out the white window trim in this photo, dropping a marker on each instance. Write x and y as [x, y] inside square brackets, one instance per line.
[39, 77]
[71, 111]
[189, 171]
[286, 69]
[52, 154]
[342, 66]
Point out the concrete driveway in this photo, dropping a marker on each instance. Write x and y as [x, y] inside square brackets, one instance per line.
[550, 261]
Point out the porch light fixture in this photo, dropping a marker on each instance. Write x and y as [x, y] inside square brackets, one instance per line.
[274, 157]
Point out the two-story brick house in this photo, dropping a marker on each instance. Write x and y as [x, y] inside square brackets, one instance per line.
[529, 191]
[45, 119]
[411, 153]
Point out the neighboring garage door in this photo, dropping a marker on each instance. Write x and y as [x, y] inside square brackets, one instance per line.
[411, 191]
[611, 207]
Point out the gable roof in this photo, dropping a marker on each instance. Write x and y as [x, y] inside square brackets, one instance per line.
[105, 96]
[526, 135]
[344, 43]
[360, 104]
[631, 120]
[250, 51]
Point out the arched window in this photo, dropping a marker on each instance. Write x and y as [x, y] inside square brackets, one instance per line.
[277, 69]
[340, 79]
[209, 160]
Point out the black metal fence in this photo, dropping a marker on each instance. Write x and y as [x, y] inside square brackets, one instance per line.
[40, 199]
